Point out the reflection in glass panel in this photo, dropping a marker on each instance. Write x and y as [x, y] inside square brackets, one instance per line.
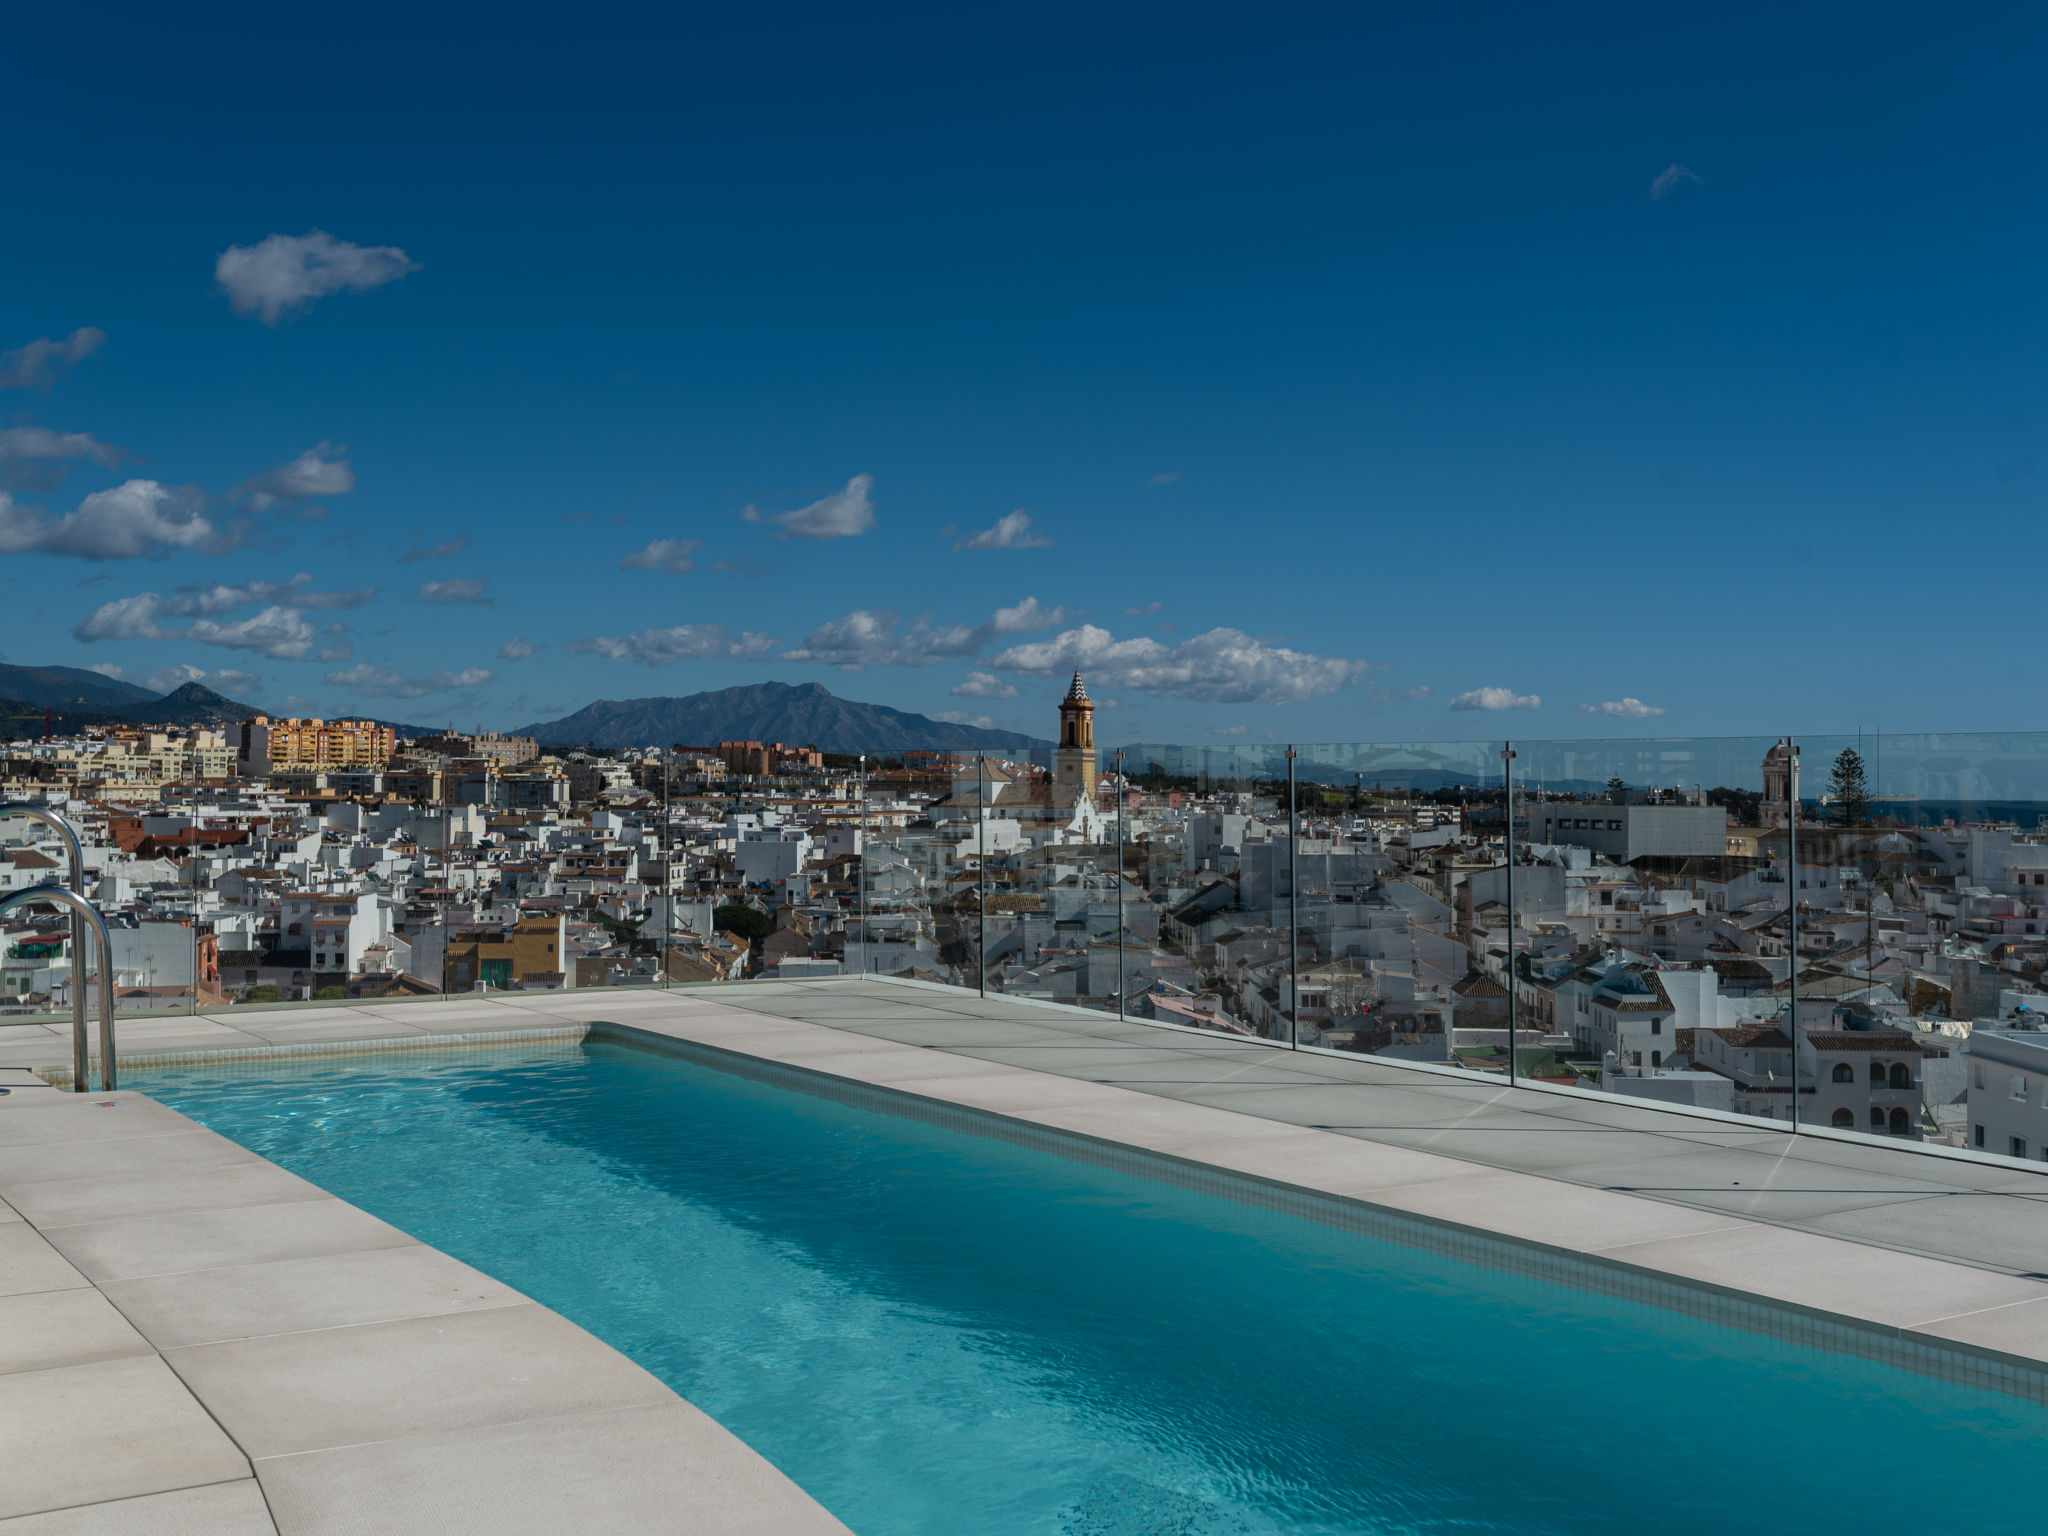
[1649, 921]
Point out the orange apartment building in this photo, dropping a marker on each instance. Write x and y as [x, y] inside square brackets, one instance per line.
[306, 746]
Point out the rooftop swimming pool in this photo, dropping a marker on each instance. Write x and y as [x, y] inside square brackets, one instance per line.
[938, 1332]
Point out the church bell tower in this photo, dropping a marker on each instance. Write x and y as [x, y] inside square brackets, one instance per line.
[1073, 773]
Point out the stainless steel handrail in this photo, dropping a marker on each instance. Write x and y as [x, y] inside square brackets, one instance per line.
[82, 912]
[62, 828]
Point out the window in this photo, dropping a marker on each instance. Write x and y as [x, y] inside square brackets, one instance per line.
[1901, 1077]
[1656, 1026]
[1877, 1074]
[1844, 1120]
[1635, 1058]
[2019, 1086]
[1656, 1058]
[1614, 826]
[1977, 1134]
[1876, 1118]
[1980, 1074]
[2019, 1146]
[1843, 1075]
[1902, 1123]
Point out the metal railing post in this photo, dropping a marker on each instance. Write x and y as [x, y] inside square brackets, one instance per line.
[1293, 912]
[981, 877]
[864, 947]
[1119, 882]
[1792, 907]
[1507, 770]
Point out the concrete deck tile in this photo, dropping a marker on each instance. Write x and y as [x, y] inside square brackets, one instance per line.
[1008, 1090]
[547, 1477]
[1536, 1209]
[29, 1263]
[257, 1234]
[380, 1381]
[1744, 1183]
[292, 1295]
[11, 1034]
[1995, 1229]
[42, 1330]
[2019, 1328]
[65, 1202]
[911, 1067]
[217, 1509]
[1874, 1283]
[311, 1029]
[1148, 1122]
[41, 1120]
[1335, 1165]
[148, 1034]
[190, 1147]
[1502, 1139]
[112, 1430]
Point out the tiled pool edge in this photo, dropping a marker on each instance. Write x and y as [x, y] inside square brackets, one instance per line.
[1947, 1360]
[229, 1389]
[59, 1077]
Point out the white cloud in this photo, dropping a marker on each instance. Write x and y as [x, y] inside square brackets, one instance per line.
[1622, 709]
[108, 669]
[457, 589]
[870, 637]
[1223, 666]
[518, 648]
[670, 555]
[1148, 608]
[842, 515]
[321, 470]
[1497, 698]
[43, 361]
[383, 683]
[135, 518]
[276, 631]
[21, 443]
[963, 717]
[985, 685]
[206, 602]
[228, 680]
[683, 642]
[1011, 531]
[287, 272]
[1381, 694]
[447, 549]
[1669, 180]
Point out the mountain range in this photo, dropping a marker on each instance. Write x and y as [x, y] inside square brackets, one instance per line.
[801, 714]
[65, 701]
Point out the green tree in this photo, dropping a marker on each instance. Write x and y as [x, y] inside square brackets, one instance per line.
[750, 923]
[1848, 791]
[265, 993]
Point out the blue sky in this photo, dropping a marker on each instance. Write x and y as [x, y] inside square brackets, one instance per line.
[1313, 373]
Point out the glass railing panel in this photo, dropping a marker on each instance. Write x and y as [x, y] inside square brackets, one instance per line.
[1649, 921]
[1922, 879]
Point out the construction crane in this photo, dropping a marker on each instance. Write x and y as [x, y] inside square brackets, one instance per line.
[49, 715]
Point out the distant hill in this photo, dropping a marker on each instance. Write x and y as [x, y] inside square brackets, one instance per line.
[803, 714]
[70, 687]
[191, 704]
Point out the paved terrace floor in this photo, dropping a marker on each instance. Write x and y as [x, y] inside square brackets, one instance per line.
[221, 1361]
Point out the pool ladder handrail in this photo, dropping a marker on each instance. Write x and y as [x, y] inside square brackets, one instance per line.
[83, 913]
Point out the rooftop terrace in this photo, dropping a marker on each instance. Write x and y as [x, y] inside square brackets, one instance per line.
[207, 1342]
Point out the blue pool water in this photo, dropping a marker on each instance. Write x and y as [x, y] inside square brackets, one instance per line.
[939, 1333]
